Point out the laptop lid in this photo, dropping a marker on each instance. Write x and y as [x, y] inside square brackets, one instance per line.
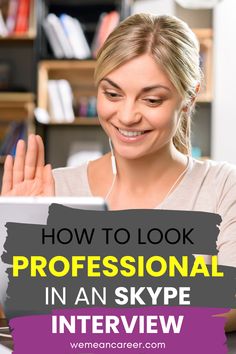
[34, 210]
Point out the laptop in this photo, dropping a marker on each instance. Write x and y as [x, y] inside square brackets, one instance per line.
[4, 350]
[34, 210]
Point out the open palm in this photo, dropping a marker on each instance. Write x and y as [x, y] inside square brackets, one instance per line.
[27, 174]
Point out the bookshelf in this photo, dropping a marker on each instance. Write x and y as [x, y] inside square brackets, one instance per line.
[17, 65]
[80, 76]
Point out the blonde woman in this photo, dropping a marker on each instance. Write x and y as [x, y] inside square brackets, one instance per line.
[148, 77]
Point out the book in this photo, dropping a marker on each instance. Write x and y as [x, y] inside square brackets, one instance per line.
[3, 28]
[53, 40]
[95, 42]
[66, 96]
[60, 34]
[107, 24]
[12, 15]
[22, 18]
[114, 18]
[55, 107]
[76, 37]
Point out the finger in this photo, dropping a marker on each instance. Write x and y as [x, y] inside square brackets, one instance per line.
[18, 166]
[48, 181]
[41, 159]
[31, 157]
[7, 175]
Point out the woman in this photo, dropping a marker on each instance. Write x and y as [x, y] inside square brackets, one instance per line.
[148, 77]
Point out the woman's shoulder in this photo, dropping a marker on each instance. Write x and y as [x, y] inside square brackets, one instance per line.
[218, 169]
[218, 174]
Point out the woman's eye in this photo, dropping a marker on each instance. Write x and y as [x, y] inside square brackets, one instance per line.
[111, 94]
[153, 101]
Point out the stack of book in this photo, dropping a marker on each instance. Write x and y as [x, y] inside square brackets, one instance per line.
[15, 17]
[67, 39]
[60, 101]
[86, 106]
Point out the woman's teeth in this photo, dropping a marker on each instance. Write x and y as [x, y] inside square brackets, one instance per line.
[129, 133]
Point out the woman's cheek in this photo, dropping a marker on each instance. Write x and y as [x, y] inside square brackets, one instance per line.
[162, 117]
[99, 104]
[105, 109]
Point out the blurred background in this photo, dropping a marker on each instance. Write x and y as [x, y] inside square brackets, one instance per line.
[47, 59]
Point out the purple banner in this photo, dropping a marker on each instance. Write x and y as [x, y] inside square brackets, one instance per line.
[144, 330]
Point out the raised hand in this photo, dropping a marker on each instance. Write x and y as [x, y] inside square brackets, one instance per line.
[27, 174]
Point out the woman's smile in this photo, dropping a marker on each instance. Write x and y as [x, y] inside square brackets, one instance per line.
[130, 135]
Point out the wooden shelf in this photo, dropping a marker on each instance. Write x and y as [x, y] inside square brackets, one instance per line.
[82, 2]
[16, 106]
[86, 121]
[18, 37]
[16, 97]
[72, 64]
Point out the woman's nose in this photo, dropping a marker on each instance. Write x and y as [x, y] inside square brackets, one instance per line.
[128, 114]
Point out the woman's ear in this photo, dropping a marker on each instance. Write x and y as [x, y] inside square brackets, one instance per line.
[193, 99]
[188, 106]
[197, 89]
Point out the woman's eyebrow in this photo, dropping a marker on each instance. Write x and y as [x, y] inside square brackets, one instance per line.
[111, 83]
[145, 89]
[149, 88]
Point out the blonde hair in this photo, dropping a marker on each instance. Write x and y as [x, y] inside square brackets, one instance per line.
[172, 44]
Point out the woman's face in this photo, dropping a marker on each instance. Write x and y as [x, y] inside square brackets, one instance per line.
[138, 107]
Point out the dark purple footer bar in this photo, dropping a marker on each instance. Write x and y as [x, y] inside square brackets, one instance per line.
[164, 330]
